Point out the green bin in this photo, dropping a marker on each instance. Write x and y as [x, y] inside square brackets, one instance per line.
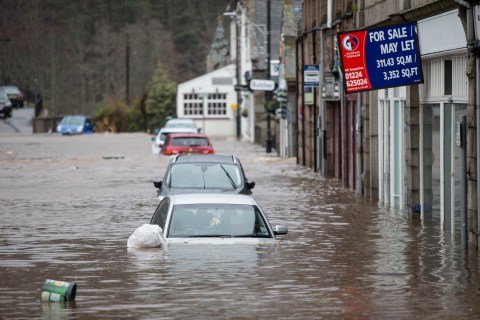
[58, 291]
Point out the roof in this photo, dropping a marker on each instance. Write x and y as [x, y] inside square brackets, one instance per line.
[222, 198]
[205, 158]
[228, 71]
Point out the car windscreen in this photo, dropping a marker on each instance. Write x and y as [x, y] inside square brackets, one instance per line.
[3, 96]
[73, 121]
[189, 142]
[12, 90]
[217, 220]
[221, 176]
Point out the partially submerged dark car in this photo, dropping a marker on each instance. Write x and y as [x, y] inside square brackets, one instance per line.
[203, 173]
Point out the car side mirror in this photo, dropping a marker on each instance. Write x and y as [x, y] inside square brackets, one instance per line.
[279, 230]
[152, 138]
[250, 185]
[199, 130]
[157, 183]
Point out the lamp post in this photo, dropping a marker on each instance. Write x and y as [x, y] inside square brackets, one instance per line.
[233, 15]
[35, 94]
[269, 140]
[127, 69]
[203, 95]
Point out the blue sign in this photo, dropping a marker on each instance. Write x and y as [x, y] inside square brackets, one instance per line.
[311, 75]
[380, 58]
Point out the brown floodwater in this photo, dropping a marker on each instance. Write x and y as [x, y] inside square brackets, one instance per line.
[69, 204]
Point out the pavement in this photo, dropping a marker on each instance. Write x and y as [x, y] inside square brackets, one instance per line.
[19, 123]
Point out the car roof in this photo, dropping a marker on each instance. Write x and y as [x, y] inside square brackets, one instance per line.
[74, 116]
[188, 134]
[11, 88]
[179, 130]
[221, 198]
[181, 120]
[205, 158]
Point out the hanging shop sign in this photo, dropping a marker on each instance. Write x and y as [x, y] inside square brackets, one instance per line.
[380, 58]
[263, 85]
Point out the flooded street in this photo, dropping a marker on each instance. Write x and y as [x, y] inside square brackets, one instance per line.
[69, 204]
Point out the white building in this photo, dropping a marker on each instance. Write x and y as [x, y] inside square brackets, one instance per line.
[210, 100]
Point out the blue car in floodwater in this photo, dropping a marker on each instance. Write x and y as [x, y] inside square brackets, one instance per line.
[75, 125]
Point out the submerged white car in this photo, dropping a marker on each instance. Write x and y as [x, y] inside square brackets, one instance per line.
[214, 218]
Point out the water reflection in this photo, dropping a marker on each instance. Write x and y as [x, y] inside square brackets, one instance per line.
[59, 310]
[343, 258]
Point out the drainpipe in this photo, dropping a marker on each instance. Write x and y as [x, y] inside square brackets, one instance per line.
[471, 39]
[343, 123]
[315, 114]
[323, 132]
[304, 153]
[477, 114]
[237, 70]
[329, 13]
[297, 94]
[342, 130]
[463, 186]
[358, 143]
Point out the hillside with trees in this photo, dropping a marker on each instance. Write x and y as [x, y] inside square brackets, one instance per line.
[85, 55]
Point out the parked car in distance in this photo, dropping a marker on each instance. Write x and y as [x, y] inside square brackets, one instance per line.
[75, 125]
[214, 218]
[15, 95]
[187, 143]
[203, 173]
[5, 104]
[160, 138]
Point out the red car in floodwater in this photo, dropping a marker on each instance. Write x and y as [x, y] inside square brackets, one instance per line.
[187, 143]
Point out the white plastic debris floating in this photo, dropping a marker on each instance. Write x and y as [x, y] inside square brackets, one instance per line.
[146, 236]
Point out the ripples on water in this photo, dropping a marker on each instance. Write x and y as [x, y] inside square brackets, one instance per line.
[344, 257]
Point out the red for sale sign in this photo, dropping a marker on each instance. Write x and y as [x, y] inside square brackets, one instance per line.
[354, 64]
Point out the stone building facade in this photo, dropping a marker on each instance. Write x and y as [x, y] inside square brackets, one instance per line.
[398, 146]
